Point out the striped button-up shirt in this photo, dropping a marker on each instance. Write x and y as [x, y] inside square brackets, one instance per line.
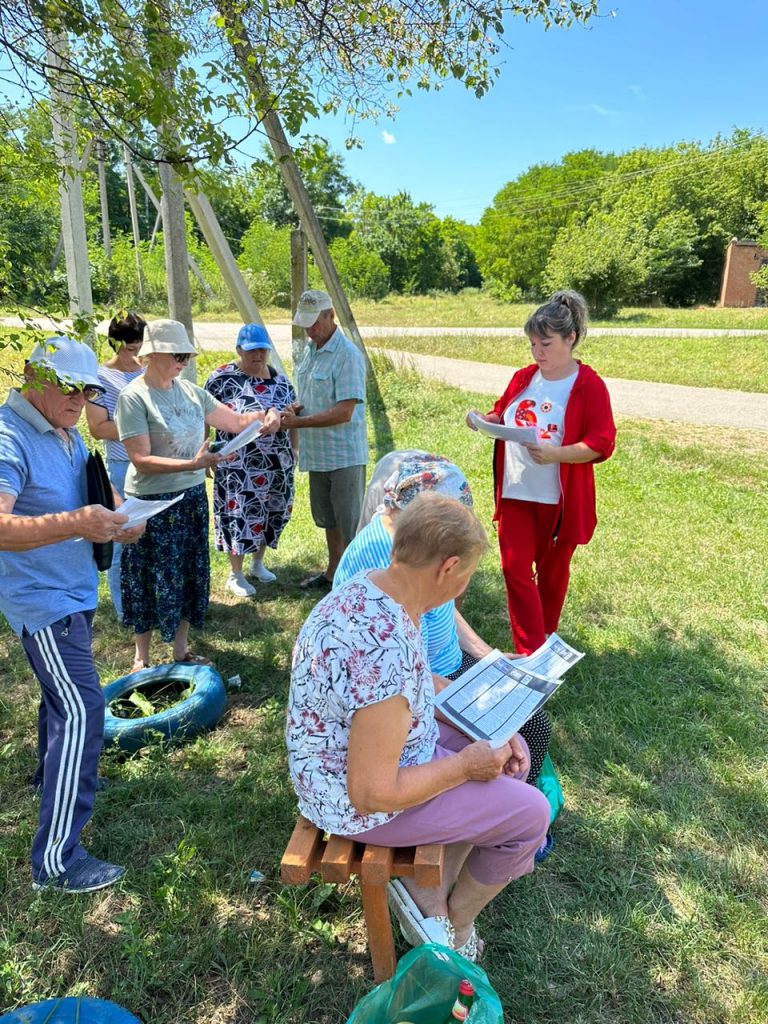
[325, 376]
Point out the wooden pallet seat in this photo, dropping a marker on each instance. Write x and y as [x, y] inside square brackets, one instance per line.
[336, 859]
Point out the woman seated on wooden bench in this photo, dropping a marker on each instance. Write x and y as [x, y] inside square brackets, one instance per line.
[368, 758]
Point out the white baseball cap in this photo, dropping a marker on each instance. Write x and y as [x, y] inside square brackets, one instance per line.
[72, 361]
[166, 336]
[310, 305]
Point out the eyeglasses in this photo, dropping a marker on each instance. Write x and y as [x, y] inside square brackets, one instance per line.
[89, 393]
[182, 357]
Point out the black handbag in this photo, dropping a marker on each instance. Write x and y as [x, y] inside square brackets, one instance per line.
[100, 493]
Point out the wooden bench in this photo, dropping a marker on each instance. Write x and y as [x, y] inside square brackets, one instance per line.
[337, 858]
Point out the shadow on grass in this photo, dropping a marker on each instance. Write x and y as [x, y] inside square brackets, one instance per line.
[650, 907]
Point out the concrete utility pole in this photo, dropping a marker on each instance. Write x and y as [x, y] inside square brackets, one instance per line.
[134, 217]
[193, 265]
[298, 285]
[222, 253]
[243, 50]
[101, 153]
[175, 245]
[70, 183]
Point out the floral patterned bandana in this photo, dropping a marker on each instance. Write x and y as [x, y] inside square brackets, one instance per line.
[419, 473]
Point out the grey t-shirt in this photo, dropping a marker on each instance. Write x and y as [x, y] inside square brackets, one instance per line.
[174, 419]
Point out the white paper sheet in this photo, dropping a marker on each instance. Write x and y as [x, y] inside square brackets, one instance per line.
[251, 432]
[502, 433]
[496, 697]
[139, 510]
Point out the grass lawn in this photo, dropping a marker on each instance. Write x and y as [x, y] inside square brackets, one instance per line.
[732, 363]
[652, 908]
[475, 308]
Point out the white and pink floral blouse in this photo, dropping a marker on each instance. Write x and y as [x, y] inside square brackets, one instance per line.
[358, 647]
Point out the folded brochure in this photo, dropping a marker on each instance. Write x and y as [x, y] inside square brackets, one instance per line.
[251, 432]
[139, 510]
[502, 432]
[496, 697]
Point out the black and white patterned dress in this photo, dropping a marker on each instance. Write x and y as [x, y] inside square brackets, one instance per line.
[252, 494]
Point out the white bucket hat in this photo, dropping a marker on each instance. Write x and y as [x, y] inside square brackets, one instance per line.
[72, 361]
[166, 336]
[309, 307]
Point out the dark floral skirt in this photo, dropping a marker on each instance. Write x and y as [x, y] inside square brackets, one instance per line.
[165, 577]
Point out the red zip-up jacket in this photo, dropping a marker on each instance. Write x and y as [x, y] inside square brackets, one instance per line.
[588, 418]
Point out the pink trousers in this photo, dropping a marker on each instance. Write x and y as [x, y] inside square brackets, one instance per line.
[505, 820]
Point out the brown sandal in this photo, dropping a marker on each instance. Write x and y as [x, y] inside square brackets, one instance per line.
[192, 659]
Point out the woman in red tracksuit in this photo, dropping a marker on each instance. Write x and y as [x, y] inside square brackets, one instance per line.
[545, 491]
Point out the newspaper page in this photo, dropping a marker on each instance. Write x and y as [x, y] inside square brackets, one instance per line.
[552, 659]
[496, 697]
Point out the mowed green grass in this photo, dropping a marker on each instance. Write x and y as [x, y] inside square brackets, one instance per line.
[475, 308]
[652, 908]
[739, 363]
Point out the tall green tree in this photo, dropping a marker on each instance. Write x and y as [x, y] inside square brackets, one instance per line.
[29, 206]
[518, 230]
[408, 238]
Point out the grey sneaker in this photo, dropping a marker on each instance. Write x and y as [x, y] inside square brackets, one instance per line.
[86, 875]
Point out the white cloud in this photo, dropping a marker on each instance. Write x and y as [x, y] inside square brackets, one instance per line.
[389, 139]
[594, 108]
[602, 111]
[637, 90]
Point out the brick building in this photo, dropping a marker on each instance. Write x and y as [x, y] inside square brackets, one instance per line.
[742, 258]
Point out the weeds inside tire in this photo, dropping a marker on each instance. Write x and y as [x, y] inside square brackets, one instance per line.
[179, 701]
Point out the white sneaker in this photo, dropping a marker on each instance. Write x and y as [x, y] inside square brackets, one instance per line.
[260, 572]
[238, 585]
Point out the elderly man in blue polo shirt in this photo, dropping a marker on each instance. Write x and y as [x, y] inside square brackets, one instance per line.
[333, 444]
[48, 595]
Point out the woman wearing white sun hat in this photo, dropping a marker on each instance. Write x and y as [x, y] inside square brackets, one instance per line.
[163, 422]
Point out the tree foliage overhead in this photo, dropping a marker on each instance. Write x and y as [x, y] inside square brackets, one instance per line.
[166, 70]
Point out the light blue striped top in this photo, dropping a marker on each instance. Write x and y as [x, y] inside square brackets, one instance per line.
[114, 381]
[371, 549]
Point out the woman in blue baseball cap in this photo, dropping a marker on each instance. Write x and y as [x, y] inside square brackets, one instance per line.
[253, 493]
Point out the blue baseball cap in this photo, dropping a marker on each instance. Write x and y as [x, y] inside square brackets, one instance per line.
[251, 336]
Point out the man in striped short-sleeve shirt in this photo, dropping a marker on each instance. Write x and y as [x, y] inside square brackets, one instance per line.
[49, 593]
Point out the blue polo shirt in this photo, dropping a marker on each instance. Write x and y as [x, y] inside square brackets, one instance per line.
[45, 475]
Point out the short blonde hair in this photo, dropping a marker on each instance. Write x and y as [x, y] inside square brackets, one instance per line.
[434, 527]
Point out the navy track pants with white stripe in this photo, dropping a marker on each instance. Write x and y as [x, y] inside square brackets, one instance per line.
[70, 733]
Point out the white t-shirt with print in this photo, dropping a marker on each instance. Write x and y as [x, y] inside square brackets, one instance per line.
[541, 405]
[358, 647]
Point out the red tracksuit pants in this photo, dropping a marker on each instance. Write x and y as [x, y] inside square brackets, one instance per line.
[536, 570]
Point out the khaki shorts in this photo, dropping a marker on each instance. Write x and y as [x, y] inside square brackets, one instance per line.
[336, 499]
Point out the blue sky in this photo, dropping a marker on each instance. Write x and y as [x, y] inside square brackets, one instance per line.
[658, 72]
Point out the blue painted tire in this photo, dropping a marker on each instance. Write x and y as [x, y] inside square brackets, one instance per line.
[72, 1010]
[196, 713]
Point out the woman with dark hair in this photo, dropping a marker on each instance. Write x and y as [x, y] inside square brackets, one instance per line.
[545, 490]
[125, 335]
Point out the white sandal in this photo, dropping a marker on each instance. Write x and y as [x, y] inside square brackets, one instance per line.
[471, 949]
[416, 928]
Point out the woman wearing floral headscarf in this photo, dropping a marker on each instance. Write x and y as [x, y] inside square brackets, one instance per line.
[452, 645]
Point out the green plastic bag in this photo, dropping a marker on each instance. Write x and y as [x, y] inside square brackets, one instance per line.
[549, 784]
[423, 991]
